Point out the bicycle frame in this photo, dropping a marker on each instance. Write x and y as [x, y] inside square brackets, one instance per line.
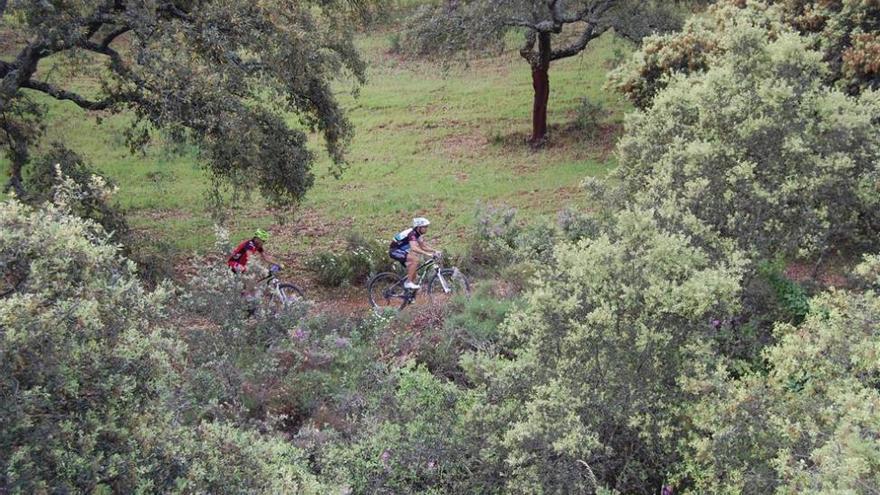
[422, 272]
[271, 281]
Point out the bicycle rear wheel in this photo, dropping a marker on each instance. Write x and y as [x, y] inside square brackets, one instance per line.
[386, 291]
[456, 284]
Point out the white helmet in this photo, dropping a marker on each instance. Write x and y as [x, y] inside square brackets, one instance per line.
[420, 222]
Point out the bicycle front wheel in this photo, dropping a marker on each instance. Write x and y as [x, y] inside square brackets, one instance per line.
[446, 284]
[386, 291]
[276, 299]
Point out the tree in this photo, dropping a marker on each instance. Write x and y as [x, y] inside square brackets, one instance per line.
[219, 74]
[591, 398]
[90, 368]
[756, 150]
[553, 30]
[846, 32]
[810, 423]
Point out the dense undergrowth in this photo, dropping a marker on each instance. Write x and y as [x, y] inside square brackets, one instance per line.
[658, 342]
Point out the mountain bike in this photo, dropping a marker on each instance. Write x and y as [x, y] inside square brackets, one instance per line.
[278, 295]
[386, 289]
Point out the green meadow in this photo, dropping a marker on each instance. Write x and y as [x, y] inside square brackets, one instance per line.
[430, 140]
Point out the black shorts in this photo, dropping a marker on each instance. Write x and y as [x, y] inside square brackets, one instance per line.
[399, 255]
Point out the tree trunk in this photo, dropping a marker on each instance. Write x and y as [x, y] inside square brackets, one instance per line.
[541, 86]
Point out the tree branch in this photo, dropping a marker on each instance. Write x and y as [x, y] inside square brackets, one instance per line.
[61, 94]
[526, 51]
[589, 34]
[517, 22]
[113, 35]
[176, 12]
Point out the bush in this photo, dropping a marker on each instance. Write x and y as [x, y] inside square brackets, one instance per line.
[500, 240]
[756, 151]
[91, 197]
[576, 225]
[363, 259]
[97, 383]
[411, 441]
[330, 270]
[843, 32]
[86, 356]
[810, 423]
[588, 117]
[600, 345]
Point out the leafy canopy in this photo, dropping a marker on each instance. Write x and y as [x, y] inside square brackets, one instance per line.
[756, 150]
[221, 74]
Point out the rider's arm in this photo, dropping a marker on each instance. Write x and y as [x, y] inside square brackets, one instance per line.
[268, 259]
[424, 248]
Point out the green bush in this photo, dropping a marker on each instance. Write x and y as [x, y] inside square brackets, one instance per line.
[97, 380]
[600, 345]
[362, 259]
[500, 240]
[588, 118]
[331, 270]
[843, 32]
[808, 424]
[411, 441]
[756, 151]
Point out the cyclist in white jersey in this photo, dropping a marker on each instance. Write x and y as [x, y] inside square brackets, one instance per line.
[408, 245]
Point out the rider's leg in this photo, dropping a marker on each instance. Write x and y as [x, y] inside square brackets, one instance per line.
[247, 292]
[412, 264]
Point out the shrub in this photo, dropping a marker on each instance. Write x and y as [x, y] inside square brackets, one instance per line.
[576, 225]
[91, 197]
[85, 356]
[600, 344]
[331, 270]
[411, 441]
[843, 32]
[362, 259]
[588, 117]
[755, 151]
[94, 379]
[500, 240]
[94, 191]
[367, 257]
[810, 423]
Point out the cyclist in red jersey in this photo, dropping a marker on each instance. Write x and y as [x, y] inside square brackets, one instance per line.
[239, 258]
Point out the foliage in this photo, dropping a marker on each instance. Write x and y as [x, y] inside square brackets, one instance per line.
[60, 163]
[810, 424]
[362, 259]
[600, 345]
[551, 30]
[790, 294]
[92, 373]
[95, 200]
[85, 355]
[576, 225]
[219, 74]
[500, 240]
[844, 32]
[411, 441]
[588, 117]
[330, 269]
[756, 151]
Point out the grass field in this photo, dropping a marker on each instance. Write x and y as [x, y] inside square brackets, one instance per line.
[429, 141]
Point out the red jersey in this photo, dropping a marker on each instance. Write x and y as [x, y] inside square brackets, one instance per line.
[242, 251]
